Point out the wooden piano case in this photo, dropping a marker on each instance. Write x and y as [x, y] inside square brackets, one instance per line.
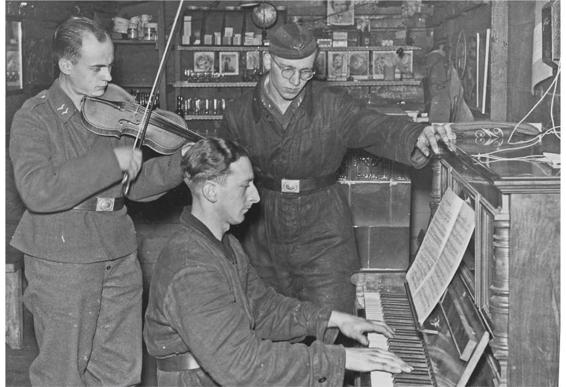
[508, 284]
[512, 265]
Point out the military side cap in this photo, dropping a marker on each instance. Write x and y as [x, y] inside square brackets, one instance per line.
[291, 41]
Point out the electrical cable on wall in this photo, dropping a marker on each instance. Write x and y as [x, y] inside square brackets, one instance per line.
[492, 156]
[554, 127]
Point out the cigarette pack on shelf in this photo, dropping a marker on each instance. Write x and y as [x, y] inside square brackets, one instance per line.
[340, 39]
[324, 42]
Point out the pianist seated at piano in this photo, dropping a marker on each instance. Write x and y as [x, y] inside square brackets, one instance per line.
[211, 320]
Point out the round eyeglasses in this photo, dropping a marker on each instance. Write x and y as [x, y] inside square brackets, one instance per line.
[287, 72]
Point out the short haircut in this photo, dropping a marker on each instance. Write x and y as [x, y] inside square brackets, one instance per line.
[68, 37]
[210, 159]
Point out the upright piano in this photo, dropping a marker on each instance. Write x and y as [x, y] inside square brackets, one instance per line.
[498, 323]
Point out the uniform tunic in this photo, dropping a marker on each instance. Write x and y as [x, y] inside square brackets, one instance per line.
[58, 163]
[303, 244]
[84, 279]
[206, 298]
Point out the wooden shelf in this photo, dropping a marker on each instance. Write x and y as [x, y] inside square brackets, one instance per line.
[370, 48]
[213, 84]
[378, 82]
[399, 82]
[221, 48]
[136, 42]
[201, 117]
[265, 48]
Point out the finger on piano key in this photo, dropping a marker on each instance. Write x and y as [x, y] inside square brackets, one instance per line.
[379, 378]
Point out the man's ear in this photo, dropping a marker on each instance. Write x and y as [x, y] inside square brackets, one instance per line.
[209, 191]
[65, 65]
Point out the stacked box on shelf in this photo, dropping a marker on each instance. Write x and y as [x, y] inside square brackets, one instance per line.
[379, 194]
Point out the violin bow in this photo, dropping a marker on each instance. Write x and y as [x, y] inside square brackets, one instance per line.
[145, 119]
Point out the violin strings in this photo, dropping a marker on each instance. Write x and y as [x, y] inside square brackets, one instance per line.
[176, 129]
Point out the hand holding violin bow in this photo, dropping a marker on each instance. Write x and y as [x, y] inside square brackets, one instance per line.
[130, 160]
[116, 113]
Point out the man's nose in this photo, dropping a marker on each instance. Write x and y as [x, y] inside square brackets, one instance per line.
[106, 74]
[254, 194]
[295, 78]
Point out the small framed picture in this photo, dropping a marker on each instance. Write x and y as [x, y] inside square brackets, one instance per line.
[228, 63]
[204, 61]
[14, 64]
[340, 12]
[358, 64]
[384, 65]
[404, 64]
[337, 65]
[320, 65]
[253, 60]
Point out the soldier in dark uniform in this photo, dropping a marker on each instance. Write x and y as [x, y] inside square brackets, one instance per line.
[297, 131]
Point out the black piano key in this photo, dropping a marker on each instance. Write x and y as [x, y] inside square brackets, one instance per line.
[412, 383]
[411, 378]
[411, 345]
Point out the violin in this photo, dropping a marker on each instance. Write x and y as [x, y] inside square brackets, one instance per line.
[116, 113]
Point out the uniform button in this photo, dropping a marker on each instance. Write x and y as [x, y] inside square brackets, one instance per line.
[108, 267]
[322, 380]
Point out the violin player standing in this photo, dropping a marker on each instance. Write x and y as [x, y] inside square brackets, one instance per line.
[80, 251]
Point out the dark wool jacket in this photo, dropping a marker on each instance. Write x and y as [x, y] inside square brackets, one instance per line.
[311, 233]
[59, 163]
[206, 298]
[325, 125]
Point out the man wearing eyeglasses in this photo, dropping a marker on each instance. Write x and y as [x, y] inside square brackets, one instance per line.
[297, 131]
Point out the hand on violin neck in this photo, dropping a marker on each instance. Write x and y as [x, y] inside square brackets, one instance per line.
[130, 160]
[186, 148]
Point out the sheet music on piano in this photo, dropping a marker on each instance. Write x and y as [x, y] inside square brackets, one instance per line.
[438, 329]
[440, 253]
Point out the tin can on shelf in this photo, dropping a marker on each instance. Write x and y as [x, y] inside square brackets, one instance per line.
[150, 31]
[132, 31]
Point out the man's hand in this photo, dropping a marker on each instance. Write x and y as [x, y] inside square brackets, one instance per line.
[355, 327]
[130, 160]
[430, 136]
[374, 359]
[185, 148]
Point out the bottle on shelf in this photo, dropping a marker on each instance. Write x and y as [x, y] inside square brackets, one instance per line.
[366, 36]
[187, 30]
[179, 110]
[360, 32]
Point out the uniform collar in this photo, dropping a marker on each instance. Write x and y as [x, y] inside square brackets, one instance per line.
[60, 102]
[189, 220]
[257, 105]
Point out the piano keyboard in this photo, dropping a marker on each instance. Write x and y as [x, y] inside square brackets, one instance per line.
[394, 308]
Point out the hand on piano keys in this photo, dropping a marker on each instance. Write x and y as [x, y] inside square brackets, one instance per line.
[367, 359]
[374, 359]
[356, 327]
